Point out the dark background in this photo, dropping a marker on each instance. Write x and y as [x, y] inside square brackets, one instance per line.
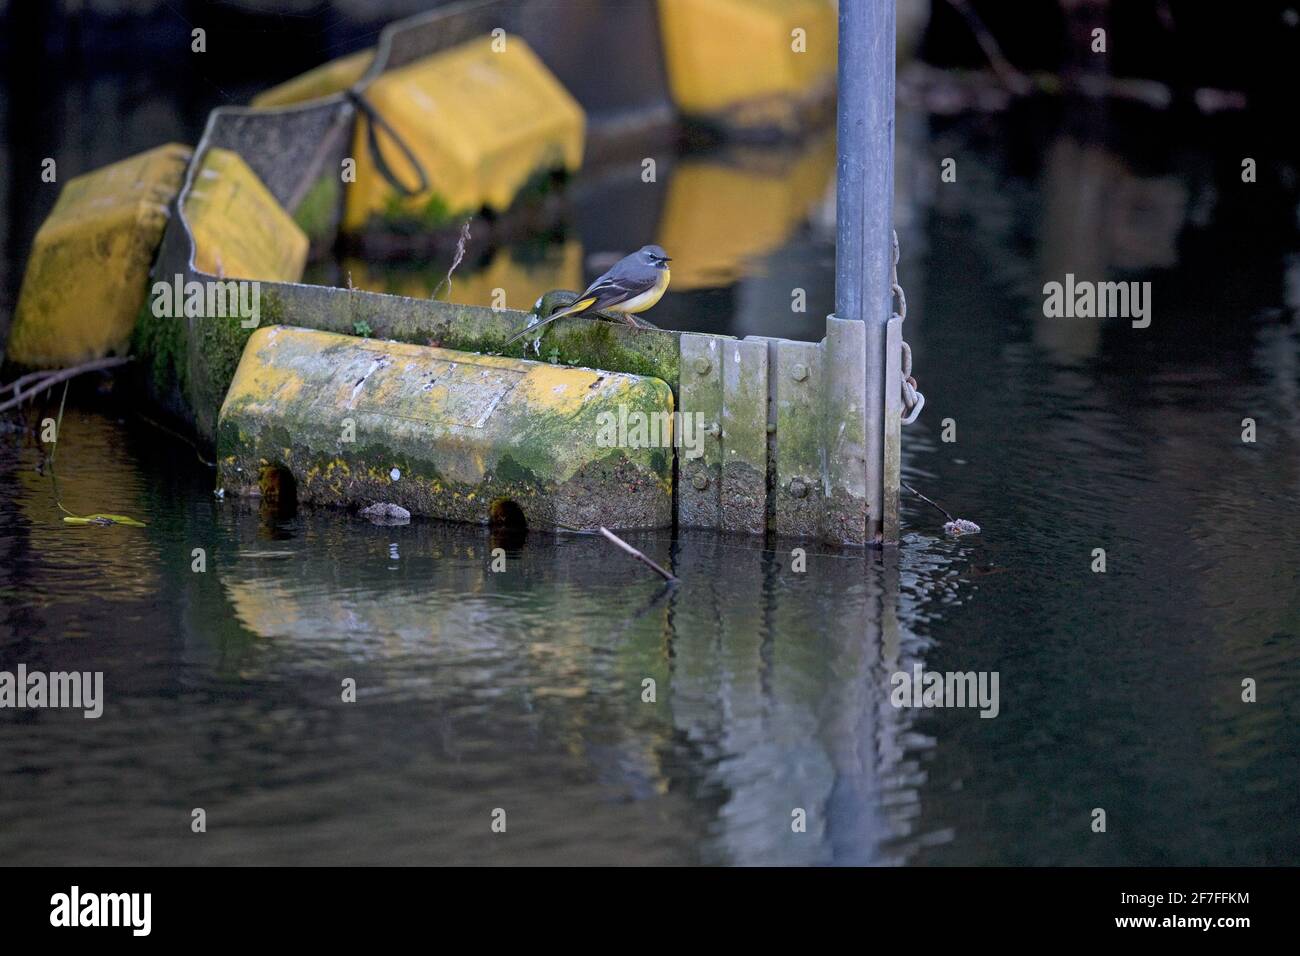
[97, 80]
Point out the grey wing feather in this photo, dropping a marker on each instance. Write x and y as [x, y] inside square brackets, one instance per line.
[615, 286]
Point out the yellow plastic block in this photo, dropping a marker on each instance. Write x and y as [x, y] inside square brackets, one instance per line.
[240, 231]
[325, 80]
[721, 212]
[725, 53]
[88, 271]
[481, 122]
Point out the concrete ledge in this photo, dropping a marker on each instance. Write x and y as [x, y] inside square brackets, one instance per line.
[442, 433]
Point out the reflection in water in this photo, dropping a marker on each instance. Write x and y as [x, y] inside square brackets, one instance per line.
[524, 689]
[724, 210]
[754, 713]
[732, 218]
[513, 277]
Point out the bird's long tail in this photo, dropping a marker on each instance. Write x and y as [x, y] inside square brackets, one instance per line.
[579, 306]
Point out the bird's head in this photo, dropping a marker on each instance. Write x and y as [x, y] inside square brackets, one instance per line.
[654, 256]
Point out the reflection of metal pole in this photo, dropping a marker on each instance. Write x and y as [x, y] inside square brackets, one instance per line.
[864, 214]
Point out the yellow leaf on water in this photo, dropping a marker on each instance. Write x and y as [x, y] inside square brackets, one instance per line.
[101, 519]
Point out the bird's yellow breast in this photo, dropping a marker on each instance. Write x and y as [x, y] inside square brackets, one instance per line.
[647, 298]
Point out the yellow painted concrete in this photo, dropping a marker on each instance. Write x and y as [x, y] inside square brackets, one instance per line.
[325, 80]
[87, 273]
[464, 428]
[240, 230]
[481, 122]
[723, 211]
[310, 373]
[724, 53]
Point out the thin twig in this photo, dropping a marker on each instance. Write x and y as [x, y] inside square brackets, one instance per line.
[58, 424]
[177, 435]
[456, 260]
[1011, 78]
[22, 380]
[927, 500]
[58, 433]
[62, 375]
[636, 554]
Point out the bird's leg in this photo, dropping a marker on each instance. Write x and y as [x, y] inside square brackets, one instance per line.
[625, 317]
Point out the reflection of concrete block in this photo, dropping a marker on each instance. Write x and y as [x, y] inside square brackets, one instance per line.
[87, 274]
[724, 210]
[442, 433]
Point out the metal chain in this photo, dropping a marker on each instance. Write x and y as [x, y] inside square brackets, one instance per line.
[913, 400]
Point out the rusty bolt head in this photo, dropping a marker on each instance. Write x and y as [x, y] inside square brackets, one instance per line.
[798, 488]
[702, 365]
[700, 481]
[799, 372]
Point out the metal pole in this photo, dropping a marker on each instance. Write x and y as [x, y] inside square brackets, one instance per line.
[864, 198]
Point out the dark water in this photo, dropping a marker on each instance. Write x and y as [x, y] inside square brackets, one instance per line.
[523, 690]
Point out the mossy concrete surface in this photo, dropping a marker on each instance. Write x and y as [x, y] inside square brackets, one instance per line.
[200, 354]
[744, 436]
[442, 433]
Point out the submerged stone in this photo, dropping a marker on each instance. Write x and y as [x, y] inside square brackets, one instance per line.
[386, 513]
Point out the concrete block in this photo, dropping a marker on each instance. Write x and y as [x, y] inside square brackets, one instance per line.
[441, 433]
[86, 278]
[240, 231]
[483, 123]
[748, 62]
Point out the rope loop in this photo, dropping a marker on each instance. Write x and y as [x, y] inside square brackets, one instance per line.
[375, 121]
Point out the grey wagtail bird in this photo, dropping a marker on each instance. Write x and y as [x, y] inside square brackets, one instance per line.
[634, 284]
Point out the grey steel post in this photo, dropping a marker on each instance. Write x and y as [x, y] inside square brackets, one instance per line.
[865, 197]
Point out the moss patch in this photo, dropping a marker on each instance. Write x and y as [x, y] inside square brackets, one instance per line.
[317, 214]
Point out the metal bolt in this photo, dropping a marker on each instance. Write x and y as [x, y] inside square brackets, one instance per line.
[799, 372]
[700, 481]
[798, 488]
[702, 365]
